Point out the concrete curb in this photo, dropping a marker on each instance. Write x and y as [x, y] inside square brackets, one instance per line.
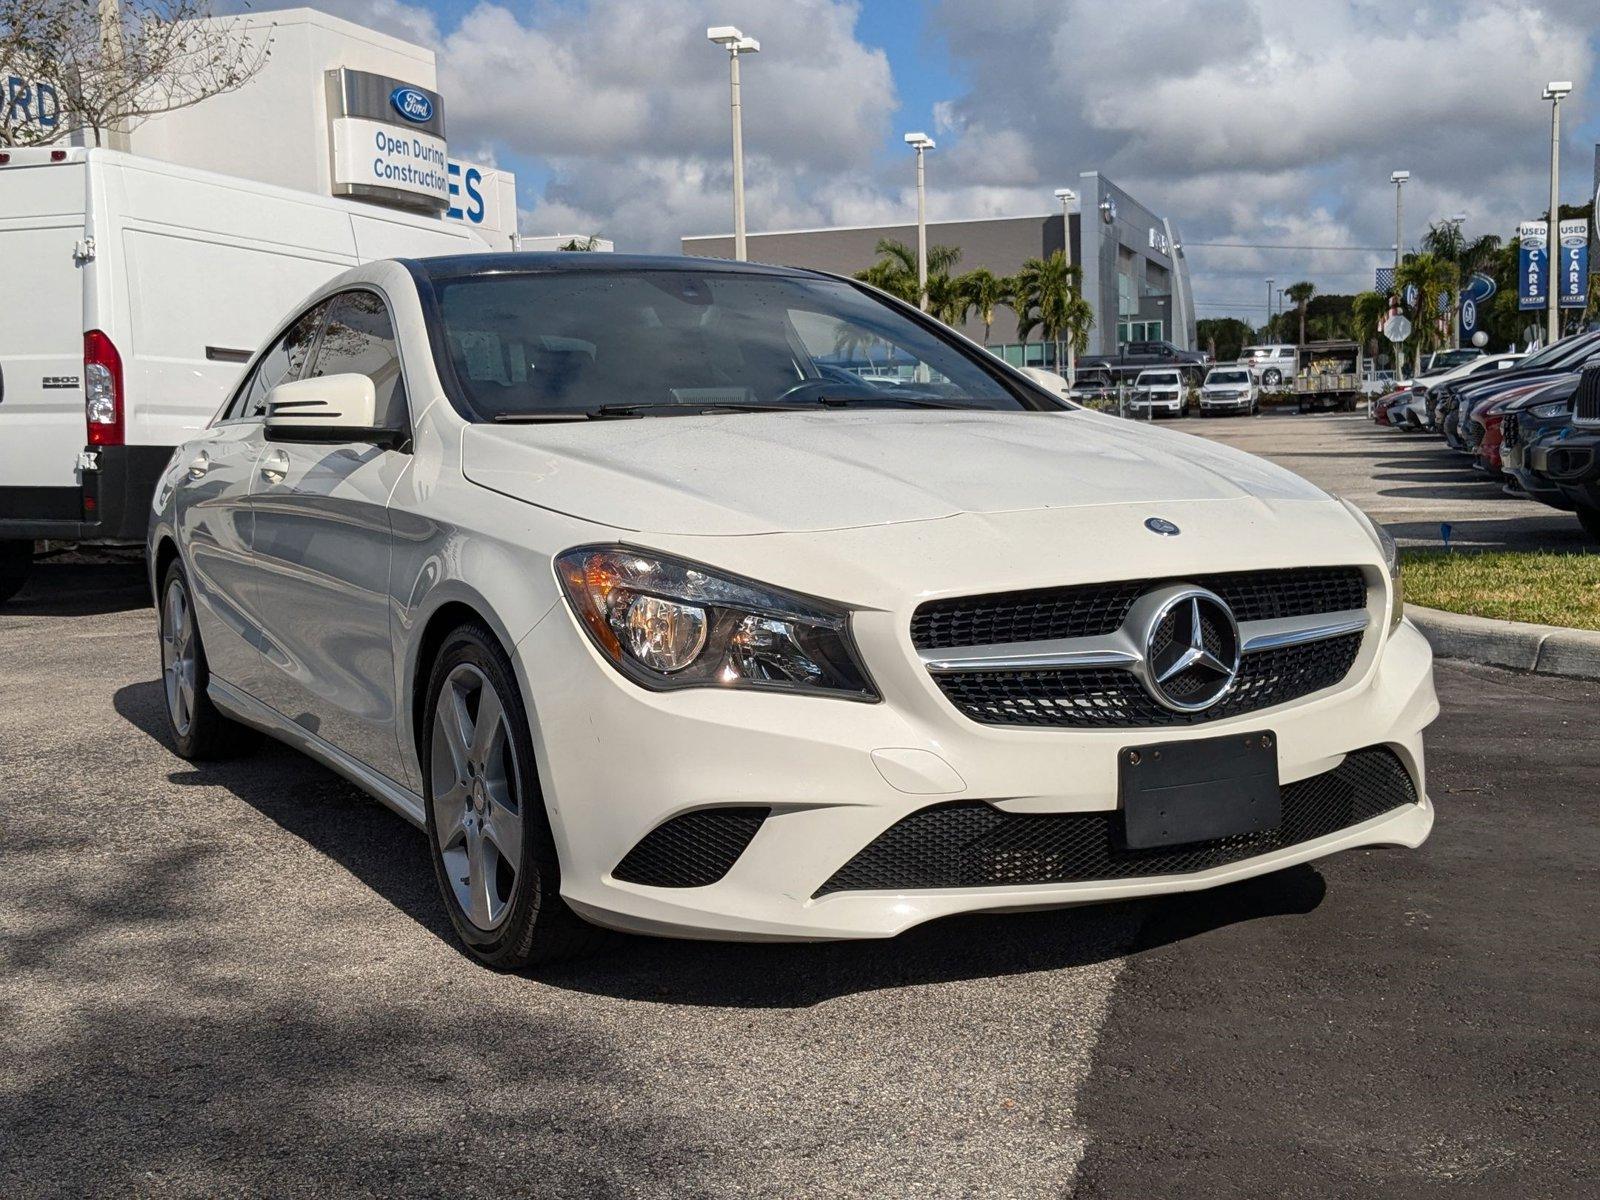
[1540, 649]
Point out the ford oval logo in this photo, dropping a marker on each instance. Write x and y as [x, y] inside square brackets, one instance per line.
[1162, 526]
[411, 104]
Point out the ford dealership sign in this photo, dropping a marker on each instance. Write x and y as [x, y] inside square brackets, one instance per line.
[412, 104]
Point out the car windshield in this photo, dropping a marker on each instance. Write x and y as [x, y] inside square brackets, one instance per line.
[1228, 377]
[1561, 352]
[1156, 379]
[1455, 358]
[646, 342]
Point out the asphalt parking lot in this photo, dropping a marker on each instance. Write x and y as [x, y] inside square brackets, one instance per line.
[1412, 482]
[236, 979]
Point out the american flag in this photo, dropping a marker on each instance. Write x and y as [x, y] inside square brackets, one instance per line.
[1385, 279]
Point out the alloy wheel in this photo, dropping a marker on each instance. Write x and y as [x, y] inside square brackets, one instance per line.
[178, 656]
[476, 796]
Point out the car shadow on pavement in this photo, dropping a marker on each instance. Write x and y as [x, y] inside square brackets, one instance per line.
[67, 589]
[388, 856]
[1555, 530]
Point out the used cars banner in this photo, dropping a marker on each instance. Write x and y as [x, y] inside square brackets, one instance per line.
[1533, 265]
[1574, 263]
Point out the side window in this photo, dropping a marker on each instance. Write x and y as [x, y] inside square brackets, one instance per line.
[359, 340]
[282, 363]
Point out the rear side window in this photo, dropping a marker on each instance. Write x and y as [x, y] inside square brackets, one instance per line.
[359, 340]
[282, 363]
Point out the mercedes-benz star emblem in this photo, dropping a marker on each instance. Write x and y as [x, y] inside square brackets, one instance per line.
[1192, 651]
[1162, 526]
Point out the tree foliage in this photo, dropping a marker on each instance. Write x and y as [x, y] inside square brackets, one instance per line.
[1301, 294]
[1048, 299]
[114, 67]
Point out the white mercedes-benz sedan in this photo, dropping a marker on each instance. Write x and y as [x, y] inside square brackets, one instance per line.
[716, 600]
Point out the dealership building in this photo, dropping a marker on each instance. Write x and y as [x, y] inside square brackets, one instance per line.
[336, 109]
[1134, 273]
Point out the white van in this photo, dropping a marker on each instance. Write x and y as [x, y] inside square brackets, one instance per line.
[132, 291]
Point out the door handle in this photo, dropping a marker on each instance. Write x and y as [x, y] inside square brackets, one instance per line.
[275, 466]
[199, 465]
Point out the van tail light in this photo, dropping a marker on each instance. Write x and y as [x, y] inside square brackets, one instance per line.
[102, 389]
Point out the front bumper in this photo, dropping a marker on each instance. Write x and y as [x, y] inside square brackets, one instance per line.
[1227, 403]
[618, 762]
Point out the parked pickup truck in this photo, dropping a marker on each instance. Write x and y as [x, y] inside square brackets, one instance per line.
[1136, 356]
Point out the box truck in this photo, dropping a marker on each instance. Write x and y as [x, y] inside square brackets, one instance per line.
[132, 291]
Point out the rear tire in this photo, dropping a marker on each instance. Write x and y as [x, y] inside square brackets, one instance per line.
[494, 856]
[198, 728]
[1589, 518]
[16, 564]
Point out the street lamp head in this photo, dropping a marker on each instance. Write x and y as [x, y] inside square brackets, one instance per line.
[1399, 177]
[919, 141]
[1557, 88]
[1066, 195]
[731, 38]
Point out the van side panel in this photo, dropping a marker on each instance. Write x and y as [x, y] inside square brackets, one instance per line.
[41, 340]
[378, 236]
[208, 270]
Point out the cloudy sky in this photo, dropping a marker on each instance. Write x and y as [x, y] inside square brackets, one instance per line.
[1256, 121]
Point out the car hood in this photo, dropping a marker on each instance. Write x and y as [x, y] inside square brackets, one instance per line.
[738, 474]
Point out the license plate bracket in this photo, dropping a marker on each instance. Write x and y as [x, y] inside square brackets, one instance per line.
[1171, 793]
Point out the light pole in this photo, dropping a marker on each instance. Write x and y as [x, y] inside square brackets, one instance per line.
[1068, 198]
[736, 44]
[1553, 92]
[1398, 178]
[1269, 311]
[921, 142]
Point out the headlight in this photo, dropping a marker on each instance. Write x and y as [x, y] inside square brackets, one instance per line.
[666, 623]
[1391, 561]
[1545, 411]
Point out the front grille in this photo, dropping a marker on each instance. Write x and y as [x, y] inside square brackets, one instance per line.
[1114, 699]
[1087, 610]
[1586, 403]
[693, 849]
[1510, 431]
[971, 844]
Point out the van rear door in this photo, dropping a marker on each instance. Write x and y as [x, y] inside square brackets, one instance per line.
[42, 428]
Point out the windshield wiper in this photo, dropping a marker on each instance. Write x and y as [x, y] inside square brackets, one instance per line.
[658, 406]
[887, 398]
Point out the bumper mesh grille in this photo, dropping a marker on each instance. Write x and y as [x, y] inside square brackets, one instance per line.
[971, 844]
[1586, 402]
[693, 849]
[1110, 699]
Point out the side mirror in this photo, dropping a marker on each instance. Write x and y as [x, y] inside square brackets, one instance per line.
[331, 408]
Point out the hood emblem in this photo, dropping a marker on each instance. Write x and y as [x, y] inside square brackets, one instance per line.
[1191, 650]
[1162, 526]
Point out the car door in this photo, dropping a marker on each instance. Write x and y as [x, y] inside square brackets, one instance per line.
[212, 512]
[322, 552]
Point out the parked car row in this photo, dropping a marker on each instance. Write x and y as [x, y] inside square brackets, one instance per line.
[1532, 422]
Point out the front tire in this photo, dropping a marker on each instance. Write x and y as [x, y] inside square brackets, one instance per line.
[16, 564]
[198, 729]
[493, 852]
[1272, 377]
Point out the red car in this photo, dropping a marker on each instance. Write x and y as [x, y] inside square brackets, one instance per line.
[1380, 406]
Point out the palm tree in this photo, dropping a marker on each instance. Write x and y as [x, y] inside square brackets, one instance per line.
[1437, 281]
[895, 271]
[1047, 298]
[947, 299]
[1301, 294]
[985, 291]
[1367, 311]
[1446, 240]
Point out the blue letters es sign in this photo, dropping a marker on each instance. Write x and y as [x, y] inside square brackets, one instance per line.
[411, 104]
[468, 183]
